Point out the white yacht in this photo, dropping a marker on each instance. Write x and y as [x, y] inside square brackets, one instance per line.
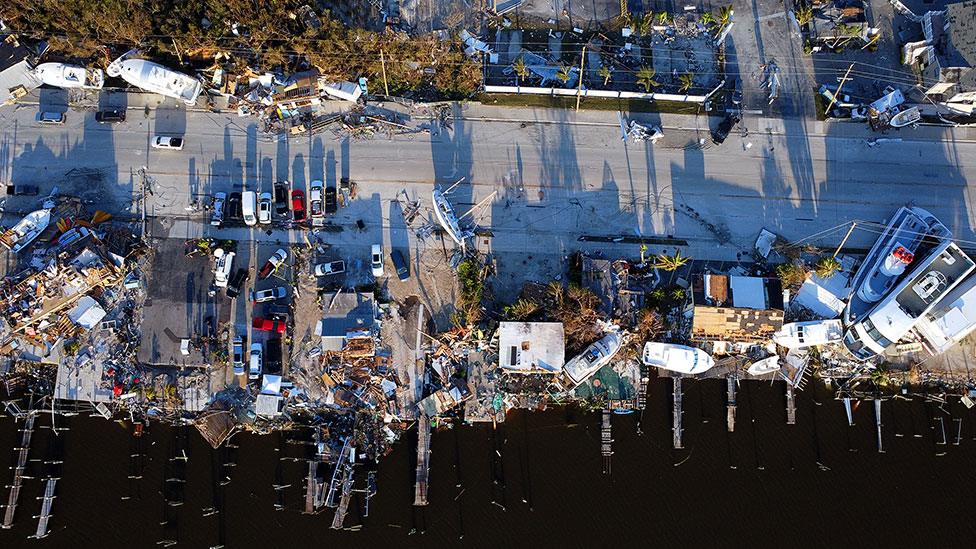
[800, 335]
[62, 75]
[26, 230]
[595, 356]
[765, 366]
[676, 358]
[156, 78]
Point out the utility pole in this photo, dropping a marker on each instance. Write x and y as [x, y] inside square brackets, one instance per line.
[386, 88]
[579, 90]
[837, 93]
[848, 235]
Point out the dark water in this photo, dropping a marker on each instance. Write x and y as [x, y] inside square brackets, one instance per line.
[554, 492]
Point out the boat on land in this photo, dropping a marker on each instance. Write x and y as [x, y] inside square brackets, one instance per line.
[447, 218]
[765, 366]
[596, 356]
[906, 117]
[156, 78]
[26, 230]
[676, 358]
[800, 335]
[62, 75]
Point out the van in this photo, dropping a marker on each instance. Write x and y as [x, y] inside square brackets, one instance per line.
[249, 204]
[255, 363]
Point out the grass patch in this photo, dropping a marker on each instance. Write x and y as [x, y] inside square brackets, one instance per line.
[562, 102]
[819, 105]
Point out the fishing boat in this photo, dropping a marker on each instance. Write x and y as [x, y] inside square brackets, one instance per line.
[676, 358]
[596, 356]
[906, 117]
[156, 78]
[62, 75]
[26, 230]
[800, 335]
[765, 366]
[446, 217]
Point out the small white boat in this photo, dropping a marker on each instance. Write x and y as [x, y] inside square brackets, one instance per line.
[906, 117]
[765, 366]
[26, 230]
[596, 356]
[446, 217]
[800, 335]
[156, 78]
[676, 358]
[62, 75]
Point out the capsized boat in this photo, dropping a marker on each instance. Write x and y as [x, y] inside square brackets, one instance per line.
[26, 230]
[765, 366]
[596, 356]
[676, 358]
[446, 217]
[62, 75]
[800, 335]
[156, 78]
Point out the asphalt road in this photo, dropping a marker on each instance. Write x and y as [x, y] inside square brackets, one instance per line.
[543, 179]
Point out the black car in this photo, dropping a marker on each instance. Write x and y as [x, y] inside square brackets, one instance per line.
[330, 201]
[233, 212]
[400, 264]
[724, 128]
[236, 283]
[110, 116]
[272, 356]
[281, 197]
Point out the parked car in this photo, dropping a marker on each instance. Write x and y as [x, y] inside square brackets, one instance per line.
[724, 128]
[249, 205]
[281, 197]
[167, 142]
[272, 362]
[218, 209]
[330, 268]
[298, 205]
[271, 294]
[222, 267]
[264, 209]
[233, 212]
[110, 116]
[22, 190]
[238, 354]
[54, 118]
[331, 205]
[271, 265]
[255, 362]
[400, 264]
[376, 260]
[268, 325]
[236, 283]
[315, 199]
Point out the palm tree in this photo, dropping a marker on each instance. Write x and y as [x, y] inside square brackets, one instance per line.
[563, 74]
[708, 19]
[804, 14]
[520, 68]
[523, 309]
[826, 266]
[687, 81]
[605, 73]
[724, 15]
[662, 18]
[645, 77]
[671, 263]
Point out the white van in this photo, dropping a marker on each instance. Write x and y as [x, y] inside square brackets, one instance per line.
[249, 205]
[256, 361]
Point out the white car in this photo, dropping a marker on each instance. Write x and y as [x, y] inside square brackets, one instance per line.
[315, 199]
[238, 359]
[218, 209]
[167, 142]
[271, 294]
[376, 261]
[255, 361]
[330, 268]
[265, 202]
[225, 261]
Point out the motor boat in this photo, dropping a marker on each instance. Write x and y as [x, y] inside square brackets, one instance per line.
[596, 356]
[26, 230]
[676, 358]
[156, 78]
[62, 75]
[765, 366]
[800, 335]
[907, 117]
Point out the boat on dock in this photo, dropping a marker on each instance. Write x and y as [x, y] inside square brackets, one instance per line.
[800, 335]
[26, 230]
[447, 218]
[62, 75]
[596, 356]
[765, 366]
[676, 358]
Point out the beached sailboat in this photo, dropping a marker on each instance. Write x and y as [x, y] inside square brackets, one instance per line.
[62, 75]
[26, 230]
[447, 218]
[765, 366]
[596, 356]
[676, 358]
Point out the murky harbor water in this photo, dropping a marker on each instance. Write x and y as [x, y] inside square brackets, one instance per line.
[760, 484]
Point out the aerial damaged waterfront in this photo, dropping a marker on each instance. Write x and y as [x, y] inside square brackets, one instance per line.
[512, 274]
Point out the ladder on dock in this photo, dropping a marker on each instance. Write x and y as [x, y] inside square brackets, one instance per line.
[642, 393]
[676, 412]
[790, 405]
[311, 488]
[423, 461]
[334, 484]
[606, 441]
[731, 381]
[22, 451]
[45, 517]
[340, 514]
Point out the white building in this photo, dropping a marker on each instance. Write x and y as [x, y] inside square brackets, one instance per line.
[530, 347]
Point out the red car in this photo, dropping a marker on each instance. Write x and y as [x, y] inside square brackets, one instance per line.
[298, 205]
[268, 325]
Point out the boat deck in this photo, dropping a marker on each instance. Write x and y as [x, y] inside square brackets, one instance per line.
[941, 275]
